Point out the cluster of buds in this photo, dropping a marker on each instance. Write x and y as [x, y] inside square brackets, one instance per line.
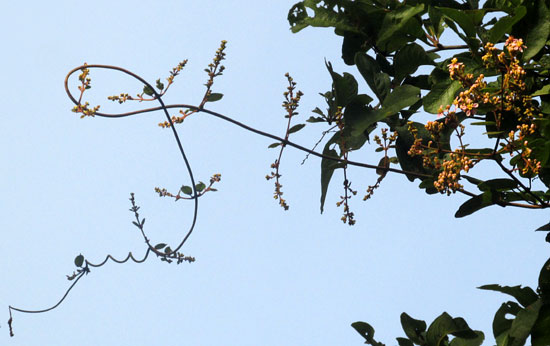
[84, 79]
[176, 256]
[384, 144]
[85, 110]
[512, 95]
[85, 83]
[278, 193]
[292, 100]
[175, 71]
[469, 99]
[290, 104]
[214, 70]
[186, 192]
[120, 98]
[348, 216]
[447, 181]
[509, 100]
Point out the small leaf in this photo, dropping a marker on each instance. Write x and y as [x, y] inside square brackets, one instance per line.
[274, 145]
[367, 332]
[200, 186]
[469, 342]
[147, 90]
[384, 162]
[296, 128]
[160, 85]
[404, 342]
[545, 90]
[79, 260]
[544, 228]
[186, 190]
[414, 329]
[167, 250]
[160, 246]
[524, 295]
[315, 120]
[214, 97]
[136, 224]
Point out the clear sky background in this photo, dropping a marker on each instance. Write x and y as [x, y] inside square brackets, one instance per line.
[263, 276]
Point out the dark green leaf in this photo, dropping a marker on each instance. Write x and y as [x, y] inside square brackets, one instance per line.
[540, 334]
[408, 59]
[436, 21]
[545, 90]
[352, 44]
[544, 228]
[505, 24]
[148, 90]
[501, 324]
[274, 145]
[498, 185]
[315, 120]
[323, 16]
[79, 260]
[462, 18]
[544, 282]
[188, 190]
[384, 162]
[539, 31]
[200, 186]
[469, 342]
[414, 329]
[167, 250]
[404, 342]
[524, 295]
[475, 203]
[327, 169]
[377, 81]
[403, 96]
[367, 332]
[472, 180]
[523, 323]
[214, 97]
[159, 246]
[441, 95]
[394, 21]
[445, 325]
[160, 85]
[344, 87]
[296, 128]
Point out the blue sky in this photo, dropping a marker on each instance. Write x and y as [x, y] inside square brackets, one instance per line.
[263, 276]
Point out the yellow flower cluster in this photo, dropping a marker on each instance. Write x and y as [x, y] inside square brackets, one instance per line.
[447, 180]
